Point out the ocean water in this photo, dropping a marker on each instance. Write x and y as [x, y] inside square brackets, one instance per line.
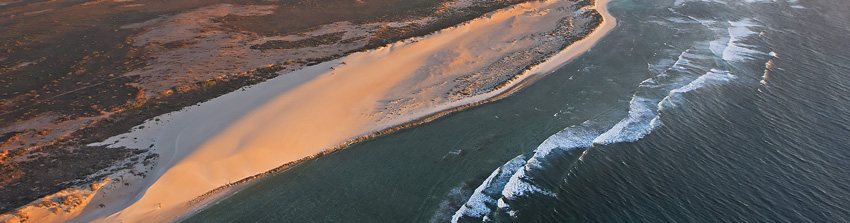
[688, 111]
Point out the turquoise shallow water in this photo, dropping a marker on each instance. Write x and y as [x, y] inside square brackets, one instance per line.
[689, 111]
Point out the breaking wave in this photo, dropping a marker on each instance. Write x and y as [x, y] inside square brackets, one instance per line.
[736, 49]
[704, 65]
[695, 68]
[483, 199]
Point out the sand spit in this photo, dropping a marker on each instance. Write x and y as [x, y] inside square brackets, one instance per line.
[111, 78]
[309, 111]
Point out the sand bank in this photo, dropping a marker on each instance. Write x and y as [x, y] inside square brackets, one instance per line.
[309, 111]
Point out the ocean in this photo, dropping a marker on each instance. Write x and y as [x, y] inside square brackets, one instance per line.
[688, 111]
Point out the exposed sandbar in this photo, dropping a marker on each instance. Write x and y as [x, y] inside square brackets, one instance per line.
[312, 110]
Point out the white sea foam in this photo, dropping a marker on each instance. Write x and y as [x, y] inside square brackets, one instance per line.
[713, 76]
[688, 73]
[644, 112]
[643, 117]
[690, 60]
[731, 44]
[680, 20]
[502, 204]
[682, 2]
[719, 45]
[685, 60]
[736, 50]
[484, 197]
[635, 126]
[579, 136]
[770, 1]
[643, 108]
[518, 186]
[569, 139]
[792, 3]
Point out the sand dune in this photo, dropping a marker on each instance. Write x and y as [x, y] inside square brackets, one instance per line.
[308, 111]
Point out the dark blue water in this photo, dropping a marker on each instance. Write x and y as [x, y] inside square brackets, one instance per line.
[689, 111]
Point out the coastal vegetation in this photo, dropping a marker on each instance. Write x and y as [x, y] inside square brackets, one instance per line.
[66, 73]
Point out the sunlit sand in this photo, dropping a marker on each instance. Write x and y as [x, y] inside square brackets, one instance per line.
[312, 110]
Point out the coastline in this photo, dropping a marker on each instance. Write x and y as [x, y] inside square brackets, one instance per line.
[209, 62]
[297, 83]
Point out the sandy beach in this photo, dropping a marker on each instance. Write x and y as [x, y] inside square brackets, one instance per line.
[320, 107]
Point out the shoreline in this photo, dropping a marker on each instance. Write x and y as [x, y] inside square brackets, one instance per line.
[30, 140]
[527, 77]
[567, 55]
